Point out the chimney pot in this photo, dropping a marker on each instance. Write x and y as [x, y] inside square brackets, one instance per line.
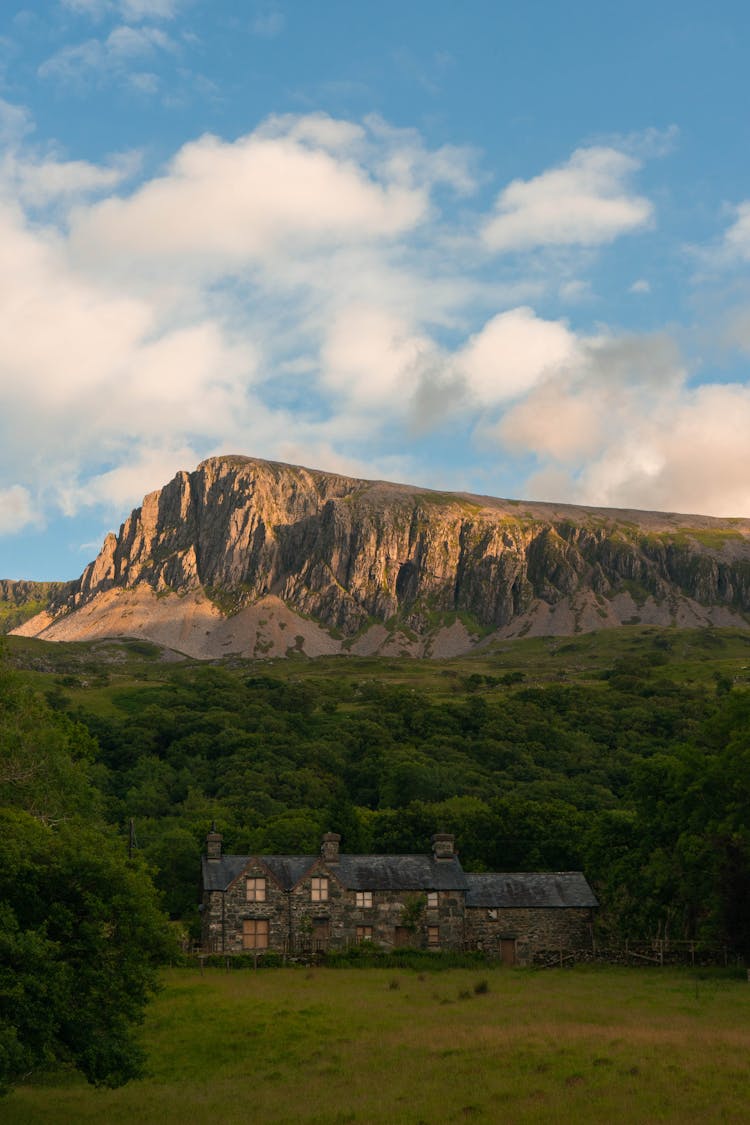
[442, 845]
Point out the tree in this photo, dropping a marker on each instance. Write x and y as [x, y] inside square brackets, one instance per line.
[81, 930]
[81, 936]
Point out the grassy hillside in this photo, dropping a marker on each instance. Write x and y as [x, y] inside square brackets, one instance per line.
[402, 1048]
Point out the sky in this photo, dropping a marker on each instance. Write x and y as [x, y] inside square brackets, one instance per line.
[485, 247]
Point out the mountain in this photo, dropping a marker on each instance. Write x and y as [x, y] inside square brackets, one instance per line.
[259, 558]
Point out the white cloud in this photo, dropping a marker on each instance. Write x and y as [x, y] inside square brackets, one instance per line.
[133, 10]
[372, 357]
[640, 286]
[621, 427]
[297, 294]
[575, 291]
[37, 181]
[513, 352]
[583, 202]
[736, 242]
[15, 122]
[222, 206]
[16, 510]
[108, 59]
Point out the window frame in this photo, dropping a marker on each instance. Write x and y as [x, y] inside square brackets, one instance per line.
[258, 888]
[255, 928]
[364, 933]
[363, 899]
[433, 937]
[319, 888]
[433, 900]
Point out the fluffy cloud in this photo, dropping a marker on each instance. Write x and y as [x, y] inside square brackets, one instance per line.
[622, 427]
[16, 509]
[298, 294]
[512, 353]
[584, 202]
[223, 206]
[371, 357]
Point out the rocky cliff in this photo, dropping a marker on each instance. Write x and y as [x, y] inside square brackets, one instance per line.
[20, 601]
[258, 557]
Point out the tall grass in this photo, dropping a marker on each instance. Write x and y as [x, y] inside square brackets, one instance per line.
[324, 1047]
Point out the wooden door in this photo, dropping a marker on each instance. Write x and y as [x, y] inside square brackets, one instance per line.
[508, 950]
[321, 933]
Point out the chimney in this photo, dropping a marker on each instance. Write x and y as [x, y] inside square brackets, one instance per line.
[213, 843]
[442, 845]
[330, 847]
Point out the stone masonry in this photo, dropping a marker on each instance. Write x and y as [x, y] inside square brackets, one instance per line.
[298, 905]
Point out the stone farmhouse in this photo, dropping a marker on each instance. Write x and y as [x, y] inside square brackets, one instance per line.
[298, 905]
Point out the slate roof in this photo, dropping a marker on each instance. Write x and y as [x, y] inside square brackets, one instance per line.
[356, 872]
[399, 873]
[287, 869]
[505, 890]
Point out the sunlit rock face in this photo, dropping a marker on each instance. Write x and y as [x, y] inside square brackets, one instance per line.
[363, 566]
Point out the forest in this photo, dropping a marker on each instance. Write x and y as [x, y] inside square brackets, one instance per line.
[626, 756]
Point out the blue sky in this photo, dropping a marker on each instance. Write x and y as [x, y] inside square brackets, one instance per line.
[492, 247]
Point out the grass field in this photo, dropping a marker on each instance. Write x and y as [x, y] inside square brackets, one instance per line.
[375, 1046]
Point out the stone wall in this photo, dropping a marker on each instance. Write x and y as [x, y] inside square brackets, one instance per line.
[296, 922]
[532, 929]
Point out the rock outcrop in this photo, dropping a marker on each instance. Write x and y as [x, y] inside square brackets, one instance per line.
[254, 551]
[20, 601]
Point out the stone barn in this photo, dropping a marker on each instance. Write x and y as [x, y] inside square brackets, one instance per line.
[512, 914]
[308, 903]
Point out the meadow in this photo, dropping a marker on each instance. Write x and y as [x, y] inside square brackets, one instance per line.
[402, 1047]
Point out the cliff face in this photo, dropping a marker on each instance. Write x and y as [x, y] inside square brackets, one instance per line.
[20, 601]
[353, 554]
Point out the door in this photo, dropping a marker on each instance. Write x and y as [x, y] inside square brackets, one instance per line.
[508, 950]
[321, 933]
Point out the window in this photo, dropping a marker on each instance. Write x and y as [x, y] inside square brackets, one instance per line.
[364, 898]
[433, 935]
[255, 933]
[364, 933]
[432, 900]
[256, 890]
[319, 889]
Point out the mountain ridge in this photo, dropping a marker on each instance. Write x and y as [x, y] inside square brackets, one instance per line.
[262, 558]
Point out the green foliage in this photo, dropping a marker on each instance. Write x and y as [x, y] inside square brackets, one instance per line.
[80, 940]
[81, 930]
[622, 754]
